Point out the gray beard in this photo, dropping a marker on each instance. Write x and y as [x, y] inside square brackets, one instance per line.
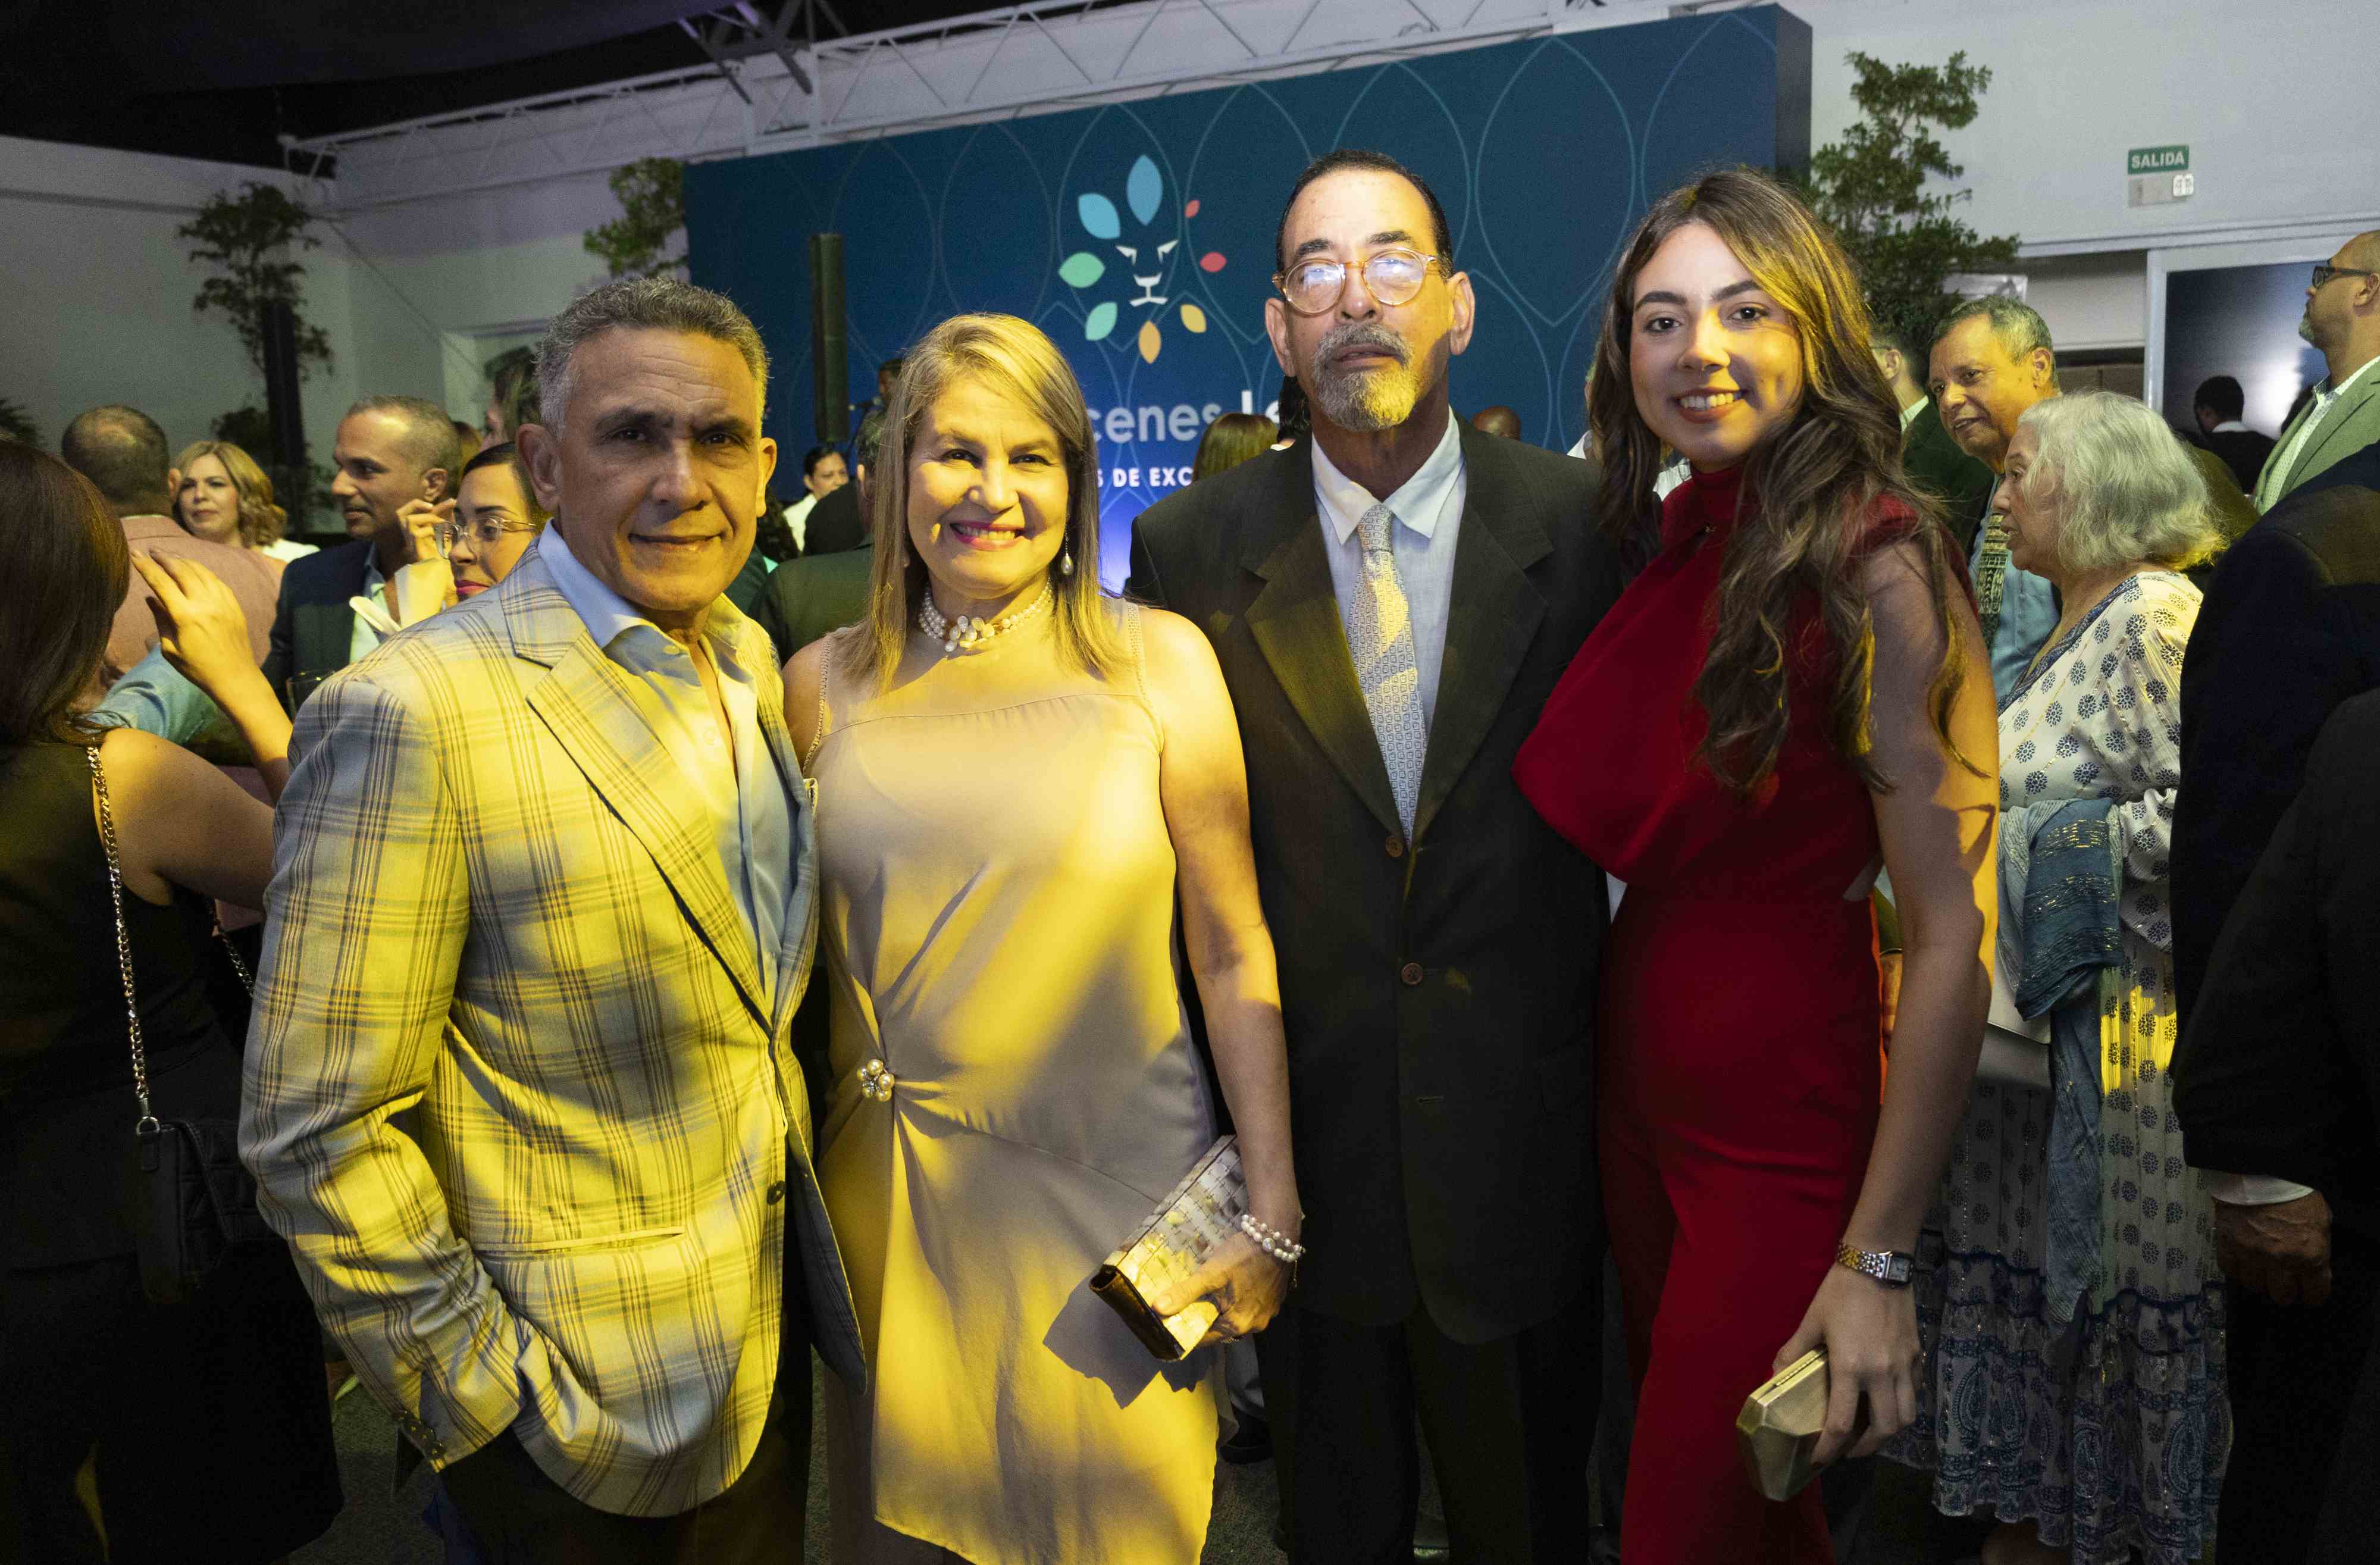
[2305, 329]
[1367, 402]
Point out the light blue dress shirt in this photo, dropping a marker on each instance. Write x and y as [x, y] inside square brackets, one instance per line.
[1428, 508]
[2028, 613]
[365, 636]
[153, 698]
[733, 776]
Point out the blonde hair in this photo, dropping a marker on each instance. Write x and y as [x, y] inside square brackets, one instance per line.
[1015, 361]
[261, 521]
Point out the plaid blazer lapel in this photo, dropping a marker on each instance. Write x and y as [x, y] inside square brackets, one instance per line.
[584, 701]
[792, 957]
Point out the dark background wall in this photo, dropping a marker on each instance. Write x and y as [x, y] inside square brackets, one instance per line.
[1139, 235]
[2239, 320]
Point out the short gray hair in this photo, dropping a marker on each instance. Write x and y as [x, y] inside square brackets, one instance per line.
[639, 304]
[2125, 489]
[428, 433]
[2017, 324]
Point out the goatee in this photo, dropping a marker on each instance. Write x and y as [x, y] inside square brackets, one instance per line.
[1367, 400]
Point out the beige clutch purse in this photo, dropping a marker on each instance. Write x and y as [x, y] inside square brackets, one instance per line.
[1779, 1425]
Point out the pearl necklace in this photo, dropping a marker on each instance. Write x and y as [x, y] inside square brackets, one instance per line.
[966, 634]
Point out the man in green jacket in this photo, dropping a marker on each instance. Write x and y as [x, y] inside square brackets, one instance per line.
[1933, 458]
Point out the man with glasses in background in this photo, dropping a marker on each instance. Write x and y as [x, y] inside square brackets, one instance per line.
[1391, 600]
[2342, 320]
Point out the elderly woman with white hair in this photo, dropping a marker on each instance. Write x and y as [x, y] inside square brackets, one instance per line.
[2069, 1299]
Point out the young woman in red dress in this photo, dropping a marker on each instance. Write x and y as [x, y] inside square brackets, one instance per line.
[1789, 696]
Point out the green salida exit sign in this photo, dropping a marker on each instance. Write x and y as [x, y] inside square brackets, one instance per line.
[2157, 160]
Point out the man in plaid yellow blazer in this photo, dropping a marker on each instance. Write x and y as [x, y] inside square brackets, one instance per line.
[521, 1095]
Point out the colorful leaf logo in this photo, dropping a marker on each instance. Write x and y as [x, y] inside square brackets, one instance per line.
[1147, 264]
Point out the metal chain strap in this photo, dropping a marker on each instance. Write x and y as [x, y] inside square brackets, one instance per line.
[238, 962]
[147, 1124]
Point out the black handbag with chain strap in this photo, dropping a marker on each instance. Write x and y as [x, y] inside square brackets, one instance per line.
[197, 1201]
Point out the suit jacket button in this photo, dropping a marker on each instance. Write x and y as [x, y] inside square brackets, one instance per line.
[776, 1192]
[1410, 973]
[1396, 847]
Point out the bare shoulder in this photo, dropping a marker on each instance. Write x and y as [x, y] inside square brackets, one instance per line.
[1179, 660]
[153, 783]
[1901, 598]
[805, 674]
[140, 763]
[1167, 634]
[1893, 569]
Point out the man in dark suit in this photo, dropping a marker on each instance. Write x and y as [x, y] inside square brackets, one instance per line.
[2277, 1077]
[1932, 458]
[2290, 629]
[2221, 406]
[398, 459]
[840, 521]
[815, 595]
[1392, 600]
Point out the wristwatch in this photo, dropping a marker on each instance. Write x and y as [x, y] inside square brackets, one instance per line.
[1888, 1266]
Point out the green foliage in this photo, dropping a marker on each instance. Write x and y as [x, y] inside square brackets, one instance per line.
[1872, 186]
[17, 424]
[652, 203]
[249, 429]
[249, 236]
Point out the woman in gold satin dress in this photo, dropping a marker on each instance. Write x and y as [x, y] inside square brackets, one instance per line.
[1026, 791]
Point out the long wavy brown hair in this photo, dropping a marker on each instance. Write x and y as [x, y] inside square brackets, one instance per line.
[1807, 493]
[69, 569]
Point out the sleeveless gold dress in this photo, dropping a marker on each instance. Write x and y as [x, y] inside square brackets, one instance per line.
[999, 935]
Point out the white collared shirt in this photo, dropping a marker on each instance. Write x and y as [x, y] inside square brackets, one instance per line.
[798, 520]
[2229, 427]
[732, 774]
[2277, 466]
[1428, 509]
[1909, 414]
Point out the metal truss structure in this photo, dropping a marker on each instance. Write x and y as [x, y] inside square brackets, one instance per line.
[793, 76]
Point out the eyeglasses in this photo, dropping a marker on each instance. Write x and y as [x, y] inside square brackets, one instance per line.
[485, 533]
[1391, 277]
[2324, 273]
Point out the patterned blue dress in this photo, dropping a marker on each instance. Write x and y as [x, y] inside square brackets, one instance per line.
[2110, 1430]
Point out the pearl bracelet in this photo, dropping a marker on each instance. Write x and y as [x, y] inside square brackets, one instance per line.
[1271, 1241]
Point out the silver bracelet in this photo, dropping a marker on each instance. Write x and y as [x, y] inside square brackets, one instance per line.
[1271, 1241]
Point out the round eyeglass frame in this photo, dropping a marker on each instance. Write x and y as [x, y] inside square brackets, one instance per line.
[1280, 279]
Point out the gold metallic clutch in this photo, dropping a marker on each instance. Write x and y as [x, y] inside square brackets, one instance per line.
[1779, 1425]
[1203, 1211]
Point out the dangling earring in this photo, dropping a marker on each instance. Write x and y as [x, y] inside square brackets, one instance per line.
[1067, 562]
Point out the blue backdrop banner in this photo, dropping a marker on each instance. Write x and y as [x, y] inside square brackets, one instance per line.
[1140, 236]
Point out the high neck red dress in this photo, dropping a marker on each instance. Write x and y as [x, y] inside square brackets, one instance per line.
[1738, 1074]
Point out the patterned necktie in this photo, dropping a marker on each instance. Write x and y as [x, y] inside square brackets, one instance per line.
[1991, 578]
[1991, 567]
[1380, 637]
